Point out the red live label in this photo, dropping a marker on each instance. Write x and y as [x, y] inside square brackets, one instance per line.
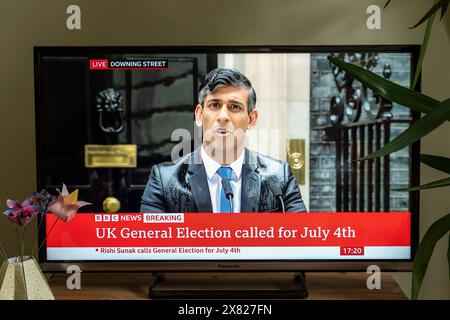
[98, 64]
[352, 251]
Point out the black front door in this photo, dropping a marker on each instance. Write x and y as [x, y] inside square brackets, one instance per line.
[78, 108]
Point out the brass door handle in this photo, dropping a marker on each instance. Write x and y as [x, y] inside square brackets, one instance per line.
[296, 157]
[111, 204]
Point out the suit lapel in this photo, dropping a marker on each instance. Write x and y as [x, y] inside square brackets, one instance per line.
[199, 183]
[251, 183]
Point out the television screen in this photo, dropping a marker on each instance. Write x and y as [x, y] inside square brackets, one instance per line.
[224, 155]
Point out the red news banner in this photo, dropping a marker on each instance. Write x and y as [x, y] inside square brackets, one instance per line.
[130, 236]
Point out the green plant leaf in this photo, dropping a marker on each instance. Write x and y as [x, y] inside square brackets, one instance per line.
[388, 89]
[419, 129]
[436, 162]
[438, 4]
[387, 3]
[435, 184]
[436, 231]
[423, 50]
[444, 8]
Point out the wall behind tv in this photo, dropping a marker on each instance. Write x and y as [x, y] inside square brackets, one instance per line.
[24, 24]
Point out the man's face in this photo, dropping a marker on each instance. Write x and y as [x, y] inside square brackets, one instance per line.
[224, 117]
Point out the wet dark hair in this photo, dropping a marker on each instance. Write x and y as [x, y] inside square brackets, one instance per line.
[223, 77]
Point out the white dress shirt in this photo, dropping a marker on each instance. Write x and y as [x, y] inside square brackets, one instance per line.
[215, 181]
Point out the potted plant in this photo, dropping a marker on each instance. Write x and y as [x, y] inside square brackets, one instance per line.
[436, 113]
[20, 276]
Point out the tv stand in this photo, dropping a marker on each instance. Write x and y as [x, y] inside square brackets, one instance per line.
[236, 285]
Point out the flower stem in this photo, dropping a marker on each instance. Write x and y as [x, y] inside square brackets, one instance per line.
[23, 241]
[3, 252]
[46, 236]
[21, 261]
[18, 243]
[39, 231]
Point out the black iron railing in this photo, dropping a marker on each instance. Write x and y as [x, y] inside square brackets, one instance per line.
[361, 123]
[362, 185]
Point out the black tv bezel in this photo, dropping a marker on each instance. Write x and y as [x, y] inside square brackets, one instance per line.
[230, 265]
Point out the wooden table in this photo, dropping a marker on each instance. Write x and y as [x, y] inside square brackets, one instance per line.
[126, 286]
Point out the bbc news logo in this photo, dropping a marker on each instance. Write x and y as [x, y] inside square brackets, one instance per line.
[141, 217]
[106, 218]
[132, 64]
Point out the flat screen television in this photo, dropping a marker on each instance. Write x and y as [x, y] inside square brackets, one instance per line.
[105, 116]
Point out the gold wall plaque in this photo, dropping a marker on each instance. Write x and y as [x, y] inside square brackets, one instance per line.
[110, 156]
[296, 157]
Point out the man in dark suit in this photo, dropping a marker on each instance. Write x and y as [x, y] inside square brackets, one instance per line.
[226, 109]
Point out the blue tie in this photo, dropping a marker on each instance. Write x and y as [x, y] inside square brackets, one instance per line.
[224, 173]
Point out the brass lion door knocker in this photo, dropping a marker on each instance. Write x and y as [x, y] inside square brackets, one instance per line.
[110, 108]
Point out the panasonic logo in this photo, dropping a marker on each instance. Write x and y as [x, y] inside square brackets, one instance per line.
[229, 266]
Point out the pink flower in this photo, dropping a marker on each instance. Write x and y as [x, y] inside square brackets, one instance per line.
[66, 205]
[21, 213]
